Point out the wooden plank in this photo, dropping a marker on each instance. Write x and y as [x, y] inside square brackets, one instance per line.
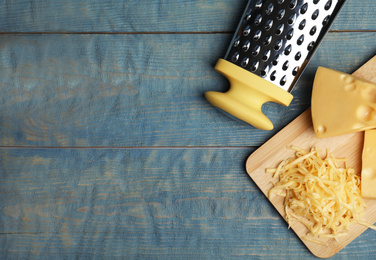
[137, 90]
[119, 16]
[148, 16]
[142, 203]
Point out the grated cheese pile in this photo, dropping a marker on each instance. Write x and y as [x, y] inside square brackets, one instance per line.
[319, 193]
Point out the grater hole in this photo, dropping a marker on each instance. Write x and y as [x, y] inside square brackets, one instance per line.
[268, 40]
[272, 76]
[278, 45]
[235, 57]
[269, 9]
[290, 34]
[300, 40]
[310, 46]
[315, 14]
[302, 24]
[285, 65]
[288, 50]
[328, 5]
[298, 55]
[293, 4]
[257, 35]
[280, 29]
[295, 71]
[275, 60]
[268, 25]
[280, 1]
[237, 41]
[304, 8]
[247, 30]
[266, 55]
[291, 19]
[283, 81]
[246, 46]
[313, 30]
[258, 19]
[281, 13]
[264, 71]
[255, 66]
[326, 20]
[256, 50]
[244, 62]
[258, 4]
[248, 15]
[316, 1]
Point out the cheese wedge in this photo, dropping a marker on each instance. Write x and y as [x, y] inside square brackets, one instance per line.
[368, 174]
[342, 103]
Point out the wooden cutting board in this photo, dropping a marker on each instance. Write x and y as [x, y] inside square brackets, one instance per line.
[300, 133]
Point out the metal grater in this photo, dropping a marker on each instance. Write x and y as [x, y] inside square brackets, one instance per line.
[274, 41]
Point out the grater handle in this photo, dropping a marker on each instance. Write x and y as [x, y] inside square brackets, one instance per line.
[247, 93]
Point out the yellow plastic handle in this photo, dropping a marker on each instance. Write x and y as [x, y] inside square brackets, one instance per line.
[247, 93]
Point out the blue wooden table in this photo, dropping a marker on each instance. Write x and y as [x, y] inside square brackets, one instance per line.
[108, 148]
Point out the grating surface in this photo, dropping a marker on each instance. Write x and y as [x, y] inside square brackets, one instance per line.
[276, 38]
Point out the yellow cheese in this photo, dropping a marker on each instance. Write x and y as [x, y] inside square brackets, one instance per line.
[322, 193]
[368, 175]
[342, 104]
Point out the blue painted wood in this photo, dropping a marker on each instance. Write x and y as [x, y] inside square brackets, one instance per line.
[137, 90]
[148, 16]
[142, 203]
[119, 16]
[139, 82]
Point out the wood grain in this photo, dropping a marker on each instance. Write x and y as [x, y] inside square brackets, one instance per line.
[300, 133]
[108, 148]
[141, 203]
[88, 16]
[101, 90]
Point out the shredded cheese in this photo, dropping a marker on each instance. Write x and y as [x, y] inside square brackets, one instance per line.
[321, 193]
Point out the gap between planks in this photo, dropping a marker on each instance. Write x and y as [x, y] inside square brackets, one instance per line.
[121, 33]
[132, 147]
[161, 32]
